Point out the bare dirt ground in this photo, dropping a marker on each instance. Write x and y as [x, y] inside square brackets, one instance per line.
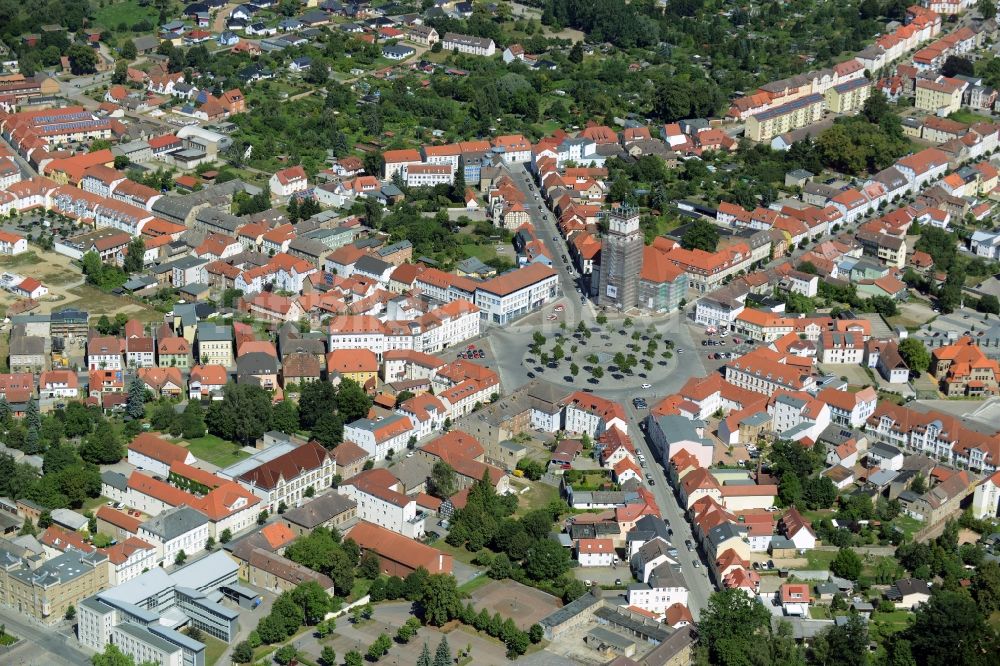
[525, 604]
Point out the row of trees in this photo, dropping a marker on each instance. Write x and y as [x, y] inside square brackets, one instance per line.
[517, 548]
[246, 412]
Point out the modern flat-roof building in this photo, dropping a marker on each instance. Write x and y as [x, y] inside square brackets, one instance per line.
[143, 616]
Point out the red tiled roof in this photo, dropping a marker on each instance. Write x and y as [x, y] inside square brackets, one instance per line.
[395, 547]
[159, 449]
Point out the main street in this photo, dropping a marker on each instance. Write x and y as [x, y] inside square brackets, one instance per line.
[49, 645]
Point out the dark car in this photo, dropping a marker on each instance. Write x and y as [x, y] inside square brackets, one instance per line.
[531, 375]
[432, 536]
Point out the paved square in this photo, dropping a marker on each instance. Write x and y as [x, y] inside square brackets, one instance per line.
[524, 604]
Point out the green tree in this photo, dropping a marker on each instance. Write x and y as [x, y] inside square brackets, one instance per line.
[128, 50]
[986, 587]
[135, 408]
[181, 557]
[843, 645]
[192, 420]
[425, 656]
[443, 480]
[370, 566]
[732, 627]
[500, 567]
[313, 599]
[242, 653]
[847, 564]
[408, 630]
[989, 304]
[286, 654]
[700, 235]
[380, 647]
[134, 259]
[915, 354]
[818, 492]
[950, 629]
[440, 601]
[82, 59]
[353, 658]
[102, 447]
[328, 656]
[442, 656]
[285, 417]
[243, 415]
[112, 656]
[546, 560]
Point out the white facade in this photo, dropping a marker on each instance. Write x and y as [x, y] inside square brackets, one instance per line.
[141, 559]
[366, 434]
[709, 312]
[986, 499]
[190, 542]
[157, 467]
[399, 515]
[502, 309]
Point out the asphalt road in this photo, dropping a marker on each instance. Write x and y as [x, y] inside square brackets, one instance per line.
[545, 225]
[43, 645]
[699, 585]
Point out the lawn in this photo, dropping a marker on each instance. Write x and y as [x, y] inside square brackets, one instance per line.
[24, 259]
[537, 498]
[819, 613]
[885, 624]
[128, 12]
[910, 526]
[481, 252]
[460, 554]
[93, 503]
[98, 302]
[213, 648]
[968, 117]
[215, 450]
[819, 560]
[474, 584]
[359, 589]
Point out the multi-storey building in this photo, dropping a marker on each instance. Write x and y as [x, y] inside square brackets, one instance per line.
[380, 501]
[621, 260]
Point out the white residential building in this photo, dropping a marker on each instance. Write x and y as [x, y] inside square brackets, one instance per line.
[596, 552]
[381, 501]
[467, 44]
[379, 437]
[176, 530]
[511, 295]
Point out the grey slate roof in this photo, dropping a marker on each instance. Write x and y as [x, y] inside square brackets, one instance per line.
[319, 510]
[172, 524]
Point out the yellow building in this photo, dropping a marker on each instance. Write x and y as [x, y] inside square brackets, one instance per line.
[848, 97]
[361, 365]
[46, 592]
[785, 118]
[942, 96]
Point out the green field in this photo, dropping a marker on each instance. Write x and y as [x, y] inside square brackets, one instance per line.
[128, 12]
[819, 560]
[537, 498]
[481, 252]
[968, 117]
[24, 259]
[885, 624]
[215, 450]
